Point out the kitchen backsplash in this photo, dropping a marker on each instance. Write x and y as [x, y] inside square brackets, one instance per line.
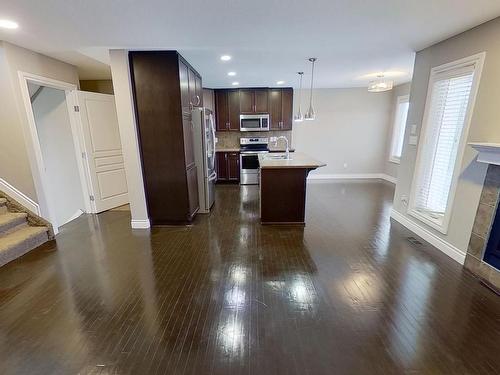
[232, 139]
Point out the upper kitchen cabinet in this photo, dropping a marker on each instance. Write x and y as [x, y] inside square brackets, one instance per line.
[253, 101]
[195, 88]
[281, 108]
[227, 106]
[164, 87]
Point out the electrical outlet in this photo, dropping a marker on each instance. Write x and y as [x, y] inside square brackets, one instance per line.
[404, 200]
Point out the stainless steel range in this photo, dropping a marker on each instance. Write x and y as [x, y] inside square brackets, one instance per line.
[250, 148]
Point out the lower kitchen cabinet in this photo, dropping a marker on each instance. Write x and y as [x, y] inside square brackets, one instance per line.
[228, 166]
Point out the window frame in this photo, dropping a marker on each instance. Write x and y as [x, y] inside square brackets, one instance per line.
[477, 61]
[396, 128]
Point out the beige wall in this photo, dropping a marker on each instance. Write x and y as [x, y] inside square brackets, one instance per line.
[349, 133]
[102, 86]
[15, 146]
[391, 168]
[485, 125]
[128, 132]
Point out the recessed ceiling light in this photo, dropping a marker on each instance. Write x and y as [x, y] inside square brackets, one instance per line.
[225, 57]
[231, 74]
[280, 82]
[6, 24]
[235, 83]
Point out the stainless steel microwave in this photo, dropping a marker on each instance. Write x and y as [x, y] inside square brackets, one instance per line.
[254, 123]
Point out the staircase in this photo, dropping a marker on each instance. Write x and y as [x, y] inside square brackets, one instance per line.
[17, 237]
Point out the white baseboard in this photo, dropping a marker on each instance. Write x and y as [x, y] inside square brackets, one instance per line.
[447, 248]
[77, 214]
[352, 176]
[23, 199]
[140, 224]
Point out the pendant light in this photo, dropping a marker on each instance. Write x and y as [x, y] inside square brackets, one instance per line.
[310, 114]
[299, 117]
[380, 84]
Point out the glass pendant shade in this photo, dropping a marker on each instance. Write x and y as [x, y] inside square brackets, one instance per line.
[380, 84]
[310, 114]
[299, 117]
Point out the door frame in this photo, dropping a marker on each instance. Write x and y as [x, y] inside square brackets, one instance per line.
[35, 149]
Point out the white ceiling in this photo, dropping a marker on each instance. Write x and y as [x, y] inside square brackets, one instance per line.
[269, 40]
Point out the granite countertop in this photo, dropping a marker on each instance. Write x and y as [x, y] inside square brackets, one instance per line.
[227, 149]
[297, 160]
[237, 149]
[280, 150]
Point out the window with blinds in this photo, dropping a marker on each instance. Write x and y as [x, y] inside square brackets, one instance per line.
[442, 142]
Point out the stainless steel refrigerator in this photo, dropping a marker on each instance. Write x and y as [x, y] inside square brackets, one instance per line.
[204, 146]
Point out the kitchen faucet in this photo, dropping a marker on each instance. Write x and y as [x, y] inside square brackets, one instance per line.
[276, 139]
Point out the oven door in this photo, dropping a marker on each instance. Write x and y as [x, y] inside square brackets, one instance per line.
[251, 123]
[249, 168]
[249, 163]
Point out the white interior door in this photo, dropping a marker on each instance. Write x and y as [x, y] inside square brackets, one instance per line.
[103, 150]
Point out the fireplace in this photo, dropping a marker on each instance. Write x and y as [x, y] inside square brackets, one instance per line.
[483, 252]
[492, 249]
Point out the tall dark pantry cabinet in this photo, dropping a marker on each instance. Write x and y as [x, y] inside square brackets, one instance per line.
[166, 88]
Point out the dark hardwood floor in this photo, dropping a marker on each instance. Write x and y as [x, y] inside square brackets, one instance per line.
[347, 294]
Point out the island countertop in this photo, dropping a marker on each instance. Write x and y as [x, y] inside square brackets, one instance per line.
[297, 160]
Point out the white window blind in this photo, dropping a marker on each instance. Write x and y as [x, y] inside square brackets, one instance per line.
[398, 133]
[444, 126]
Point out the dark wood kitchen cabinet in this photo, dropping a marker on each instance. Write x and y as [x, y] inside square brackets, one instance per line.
[227, 107]
[254, 101]
[228, 166]
[229, 103]
[281, 108]
[165, 89]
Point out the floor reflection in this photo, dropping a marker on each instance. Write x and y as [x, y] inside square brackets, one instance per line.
[347, 294]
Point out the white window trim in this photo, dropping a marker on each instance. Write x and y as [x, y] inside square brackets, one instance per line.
[399, 100]
[478, 62]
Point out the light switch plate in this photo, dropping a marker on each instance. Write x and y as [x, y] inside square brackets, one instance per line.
[413, 140]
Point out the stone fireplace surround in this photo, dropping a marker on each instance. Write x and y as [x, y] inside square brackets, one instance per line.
[485, 215]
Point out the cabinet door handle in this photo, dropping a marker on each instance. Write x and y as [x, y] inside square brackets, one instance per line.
[197, 100]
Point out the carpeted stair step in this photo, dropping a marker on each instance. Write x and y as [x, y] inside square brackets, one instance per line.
[10, 220]
[3, 206]
[19, 242]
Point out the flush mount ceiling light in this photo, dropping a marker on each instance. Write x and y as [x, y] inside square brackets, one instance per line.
[231, 74]
[310, 114]
[235, 83]
[280, 82]
[299, 117]
[380, 84]
[385, 73]
[7, 24]
[225, 57]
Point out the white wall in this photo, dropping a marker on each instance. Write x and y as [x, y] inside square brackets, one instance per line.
[485, 126]
[349, 133]
[64, 189]
[15, 145]
[122, 87]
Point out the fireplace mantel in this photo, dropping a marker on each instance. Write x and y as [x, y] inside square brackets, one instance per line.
[488, 152]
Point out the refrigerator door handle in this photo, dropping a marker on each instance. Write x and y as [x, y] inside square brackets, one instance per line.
[213, 176]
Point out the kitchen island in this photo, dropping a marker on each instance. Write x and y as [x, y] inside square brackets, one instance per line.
[283, 187]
